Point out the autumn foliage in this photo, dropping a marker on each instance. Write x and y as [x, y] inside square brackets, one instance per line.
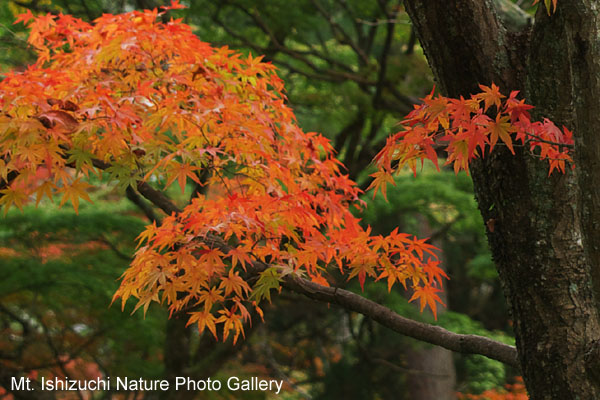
[137, 102]
[145, 104]
[467, 129]
[515, 391]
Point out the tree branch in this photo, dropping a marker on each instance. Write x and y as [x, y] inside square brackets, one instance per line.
[469, 344]
[389, 37]
[144, 207]
[345, 37]
[333, 74]
[157, 198]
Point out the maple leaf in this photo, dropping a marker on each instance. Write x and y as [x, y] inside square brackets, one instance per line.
[233, 283]
[268, 280]
[517, 108]
[547, 4]
[145, 300]
[45, 189]
[81, 158]
[490, 95]
[182, 171]
[501, 128]
[73, 191]
[380, 181]
[204, 320]
[210, 297]
[437, 110]
[427, 295]
[362, 270]
[392, 273]
[148, 234]
[122, 175]
[239, 255]
[230, 322]
[12, 197]
[212, 259]
[24, 17]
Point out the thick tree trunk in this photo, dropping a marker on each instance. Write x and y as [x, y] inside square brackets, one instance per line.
[544, 250]
[570, 89]
[432, 374]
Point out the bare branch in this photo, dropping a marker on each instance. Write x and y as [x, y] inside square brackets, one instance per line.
[355, 21]
[327, 74]
[468, 344]
[157, 198]
[345, 38]
[139, 202]
[389, 37]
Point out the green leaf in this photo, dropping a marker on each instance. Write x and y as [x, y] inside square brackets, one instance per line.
[80, 157]
[269, 279]
[123, 175]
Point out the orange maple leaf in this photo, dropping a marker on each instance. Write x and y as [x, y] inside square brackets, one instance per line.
[427, 295]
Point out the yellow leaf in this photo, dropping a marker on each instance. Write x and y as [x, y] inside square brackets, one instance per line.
[74, 191]
[44, 189]
[12, 197]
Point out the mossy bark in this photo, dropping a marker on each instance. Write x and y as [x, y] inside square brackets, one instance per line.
[545, 238]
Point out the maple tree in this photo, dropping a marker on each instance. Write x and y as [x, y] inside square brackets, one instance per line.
[117, 100]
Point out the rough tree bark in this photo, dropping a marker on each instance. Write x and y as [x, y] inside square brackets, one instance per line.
[545, 241]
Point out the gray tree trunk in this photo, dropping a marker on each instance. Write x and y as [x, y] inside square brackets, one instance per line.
[546, 241]
[432, 374]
